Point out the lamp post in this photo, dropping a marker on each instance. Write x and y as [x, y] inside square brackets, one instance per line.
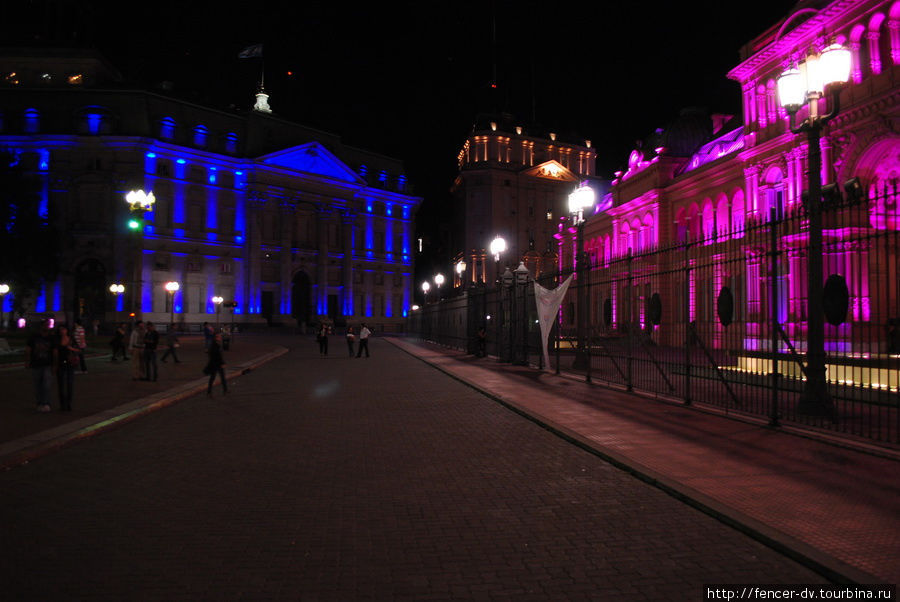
[217, 301]
[172, 288]
[425, 288]
[439, 280]
[139, 203]
[521, 274]
[799, 86]
[117, 290]
[579, 200]
[4, 289]
[497, 248]
[460, 270]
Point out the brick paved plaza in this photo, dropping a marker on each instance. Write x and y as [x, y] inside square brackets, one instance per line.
[339, 479]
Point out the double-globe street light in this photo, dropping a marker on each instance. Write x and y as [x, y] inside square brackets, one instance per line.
[217, 301]
[805, 84]
[172, 288]
[117, 290]
[582, 198]
[139, 204]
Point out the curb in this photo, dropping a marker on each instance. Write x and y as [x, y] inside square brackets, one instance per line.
[826, 565]
[21, 451]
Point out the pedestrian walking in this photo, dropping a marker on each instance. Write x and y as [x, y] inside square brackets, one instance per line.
[40, 355]
[364, 334]
[215, 365]
[151, 342]
[67, 357]
[172, 345]
[208, 335]
[117, 343]
[322, 338]
[136, 344]
[80, 342]
[351, 340]
[96, 326]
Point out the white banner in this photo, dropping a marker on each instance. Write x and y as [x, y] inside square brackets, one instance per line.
[548, 302]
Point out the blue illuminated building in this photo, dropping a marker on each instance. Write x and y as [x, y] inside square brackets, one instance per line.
[286, 220]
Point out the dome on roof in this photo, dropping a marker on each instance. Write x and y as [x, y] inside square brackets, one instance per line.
[683, 136]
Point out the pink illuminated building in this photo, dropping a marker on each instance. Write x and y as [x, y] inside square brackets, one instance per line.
[692, 207]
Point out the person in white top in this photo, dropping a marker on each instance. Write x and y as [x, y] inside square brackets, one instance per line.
[364, 333]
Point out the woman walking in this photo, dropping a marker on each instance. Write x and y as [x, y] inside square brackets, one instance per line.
[351, 339]
[322, 337]
[68, 357]
[216, 365]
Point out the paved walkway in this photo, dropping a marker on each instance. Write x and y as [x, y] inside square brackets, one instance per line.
[354, 479]
[106, 394]
[833, 507]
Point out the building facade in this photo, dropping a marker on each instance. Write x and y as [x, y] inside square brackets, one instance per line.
[513, 182]
[702, 220]
[286, 221]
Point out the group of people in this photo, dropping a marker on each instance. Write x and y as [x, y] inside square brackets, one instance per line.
[364, 334]
[49, 355]
[57, 355]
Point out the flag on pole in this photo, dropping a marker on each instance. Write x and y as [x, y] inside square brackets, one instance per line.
[251, 52]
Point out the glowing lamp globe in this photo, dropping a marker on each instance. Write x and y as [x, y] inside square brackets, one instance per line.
[791, 90]
[498, 246]
[834, 65]
[439, 280]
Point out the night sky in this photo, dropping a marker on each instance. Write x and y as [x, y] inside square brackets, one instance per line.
[407, 78]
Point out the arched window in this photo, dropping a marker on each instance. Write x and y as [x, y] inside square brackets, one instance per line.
[858, 53]
[723, 217]
[773, 195]
[167, 128]
[873, 36]
[737, 214]
[200, 136]
[32, 122]
[709, 222]
[894, 32]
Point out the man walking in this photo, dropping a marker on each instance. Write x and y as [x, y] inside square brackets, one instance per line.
[364, 333]
[171, 346]
[81, 342]
[40, 355]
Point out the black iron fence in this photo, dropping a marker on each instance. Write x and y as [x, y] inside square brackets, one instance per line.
[719, 318]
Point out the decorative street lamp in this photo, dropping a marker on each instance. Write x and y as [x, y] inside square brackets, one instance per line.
[498, 247]
[139, 203]
[172, 288]
[460, 269]
[799, 86]
[439, 280]
[217, 301]
[4, 289]
[117, 290]
[581, 199]
[425, 288]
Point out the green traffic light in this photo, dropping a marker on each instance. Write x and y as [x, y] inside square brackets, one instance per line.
[134, 224]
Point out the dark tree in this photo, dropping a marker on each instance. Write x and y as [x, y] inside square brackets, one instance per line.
[29, 245]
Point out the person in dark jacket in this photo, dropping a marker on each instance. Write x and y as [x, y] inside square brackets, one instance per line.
[151, 342]
[216, 365]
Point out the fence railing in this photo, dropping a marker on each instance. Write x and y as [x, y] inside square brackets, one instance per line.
[719, 318]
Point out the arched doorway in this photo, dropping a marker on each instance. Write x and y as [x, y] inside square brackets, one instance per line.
[301, 298]
[90, 286]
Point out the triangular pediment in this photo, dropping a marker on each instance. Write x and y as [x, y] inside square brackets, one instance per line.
[314, 159]
[552, 170]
